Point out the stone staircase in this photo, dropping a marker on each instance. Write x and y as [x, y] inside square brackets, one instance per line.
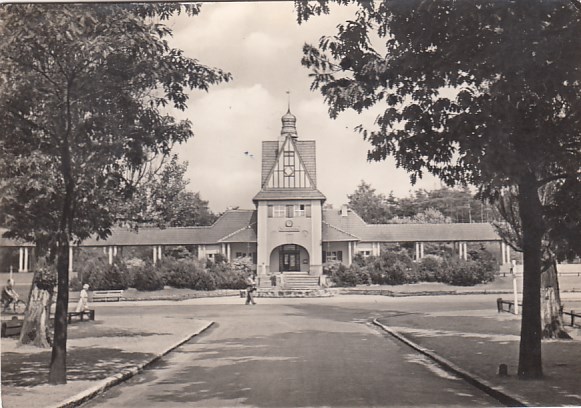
[300, 281]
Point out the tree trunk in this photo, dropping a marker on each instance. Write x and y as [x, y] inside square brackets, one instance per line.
[530, 208]
[58, 361]
[552, 322]
[36, 319]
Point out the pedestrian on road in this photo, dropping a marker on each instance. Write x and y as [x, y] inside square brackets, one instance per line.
[250, 288]
[83, 304]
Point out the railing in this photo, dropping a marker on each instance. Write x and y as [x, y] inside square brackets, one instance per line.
[572, 314]
[500, 304]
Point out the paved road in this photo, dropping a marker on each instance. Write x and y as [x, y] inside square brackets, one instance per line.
[291, 353]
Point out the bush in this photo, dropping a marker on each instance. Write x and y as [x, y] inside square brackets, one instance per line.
[232, 275]
[430, 269]
[343, 276]
[392, 268]
[145, 278]
[178, 252]
[186, 273]
[102, 276]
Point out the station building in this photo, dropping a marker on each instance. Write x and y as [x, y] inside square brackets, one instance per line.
[289, 231]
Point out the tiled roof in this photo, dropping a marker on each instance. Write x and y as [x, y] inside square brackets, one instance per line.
[306, 149]
[353, 224]
[430, 233]
[289, 194]
[230, 227]
[331, 233]
[246, 234]
[240, 226]
[151, 236]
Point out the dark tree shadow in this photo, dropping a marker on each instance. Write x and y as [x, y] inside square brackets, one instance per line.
[29, 370]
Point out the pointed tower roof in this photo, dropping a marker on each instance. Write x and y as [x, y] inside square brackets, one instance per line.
[289, 125]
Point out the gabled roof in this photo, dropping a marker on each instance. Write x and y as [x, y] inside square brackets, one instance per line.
[306, 150]
[332, 233]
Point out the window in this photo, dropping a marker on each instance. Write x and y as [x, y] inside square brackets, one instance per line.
[365, 254]
[299, 210]
[279, 211]
[331, 256]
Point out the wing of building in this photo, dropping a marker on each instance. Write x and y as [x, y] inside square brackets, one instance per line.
[289, 230]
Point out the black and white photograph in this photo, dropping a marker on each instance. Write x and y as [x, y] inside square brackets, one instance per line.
[342, 203]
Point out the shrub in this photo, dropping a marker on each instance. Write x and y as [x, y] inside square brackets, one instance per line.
[466, 273]
[232, 275]
[102, 276]
[178, 252]
[392, 268]
[186, 273]
[430, 269]
[343, 276]
[147, 279]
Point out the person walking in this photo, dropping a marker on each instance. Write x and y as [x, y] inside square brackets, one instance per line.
[250, 289]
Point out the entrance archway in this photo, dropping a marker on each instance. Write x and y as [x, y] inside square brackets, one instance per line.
[290, 258]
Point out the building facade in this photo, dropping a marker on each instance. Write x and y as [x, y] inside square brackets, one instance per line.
[289, 231]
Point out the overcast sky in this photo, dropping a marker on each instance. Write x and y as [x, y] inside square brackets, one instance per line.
[260, 44]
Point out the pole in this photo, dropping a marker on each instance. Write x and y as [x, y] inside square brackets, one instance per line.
[514, 287]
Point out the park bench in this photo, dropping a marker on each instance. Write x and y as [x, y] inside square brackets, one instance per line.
[12, 327]
[500, 305]
[89, 313]
[107, 295]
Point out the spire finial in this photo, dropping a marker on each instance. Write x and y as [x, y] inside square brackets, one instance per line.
[288, 122]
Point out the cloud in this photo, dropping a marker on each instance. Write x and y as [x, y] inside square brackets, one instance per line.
[260, 43]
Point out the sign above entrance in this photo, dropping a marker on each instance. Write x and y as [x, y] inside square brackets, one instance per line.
[284, 229]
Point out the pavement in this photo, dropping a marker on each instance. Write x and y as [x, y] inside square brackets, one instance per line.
[474, 343]
[470, 342]
[101, 354]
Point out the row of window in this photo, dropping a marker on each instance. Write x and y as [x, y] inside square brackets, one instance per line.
[328, 256]
[289, 211]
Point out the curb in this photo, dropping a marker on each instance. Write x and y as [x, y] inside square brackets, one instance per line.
[124, 375]
[504, 397]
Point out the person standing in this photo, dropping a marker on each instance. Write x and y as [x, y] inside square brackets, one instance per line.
[83, 304]
[250, 289]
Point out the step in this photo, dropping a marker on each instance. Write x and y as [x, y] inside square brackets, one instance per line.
[300, 282]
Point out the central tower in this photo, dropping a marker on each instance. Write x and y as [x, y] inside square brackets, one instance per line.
[289, 206]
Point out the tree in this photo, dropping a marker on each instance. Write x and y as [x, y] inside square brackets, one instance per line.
[510, 229]
[369, 205]
[475, 92]
[457, 204]
[427, 216]
[82, 89]
[164, 201]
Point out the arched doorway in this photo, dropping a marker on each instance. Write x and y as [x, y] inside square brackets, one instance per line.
[290, 258]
